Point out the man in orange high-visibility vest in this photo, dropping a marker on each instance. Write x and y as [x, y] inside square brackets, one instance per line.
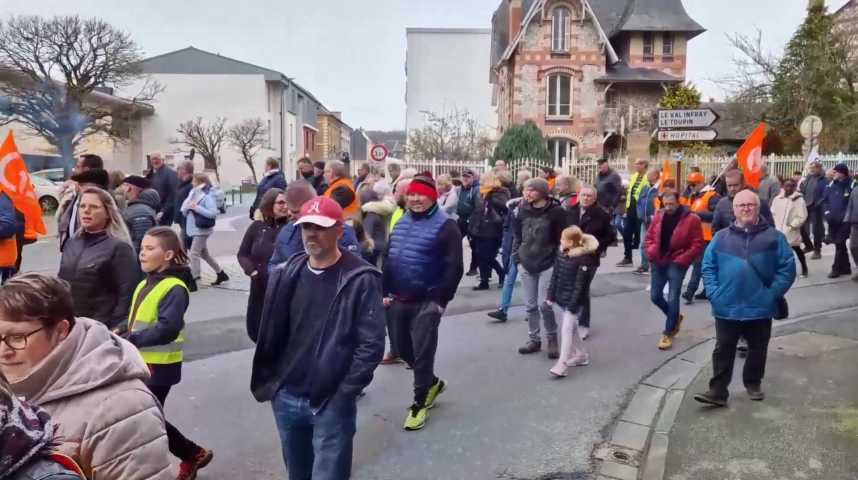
[340, 188]
[702, 201]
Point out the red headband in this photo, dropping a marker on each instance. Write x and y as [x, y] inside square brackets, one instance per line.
[421, 188]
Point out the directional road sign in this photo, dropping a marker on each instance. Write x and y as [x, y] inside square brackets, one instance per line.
[687, 135]
[693, 118]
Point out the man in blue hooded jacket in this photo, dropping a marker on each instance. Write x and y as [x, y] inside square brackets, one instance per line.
[747, 268]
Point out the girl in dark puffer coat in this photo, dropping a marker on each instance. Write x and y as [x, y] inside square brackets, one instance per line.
[569, 288]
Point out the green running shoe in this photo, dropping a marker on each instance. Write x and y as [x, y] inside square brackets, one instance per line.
[416, 418]
[435, 390]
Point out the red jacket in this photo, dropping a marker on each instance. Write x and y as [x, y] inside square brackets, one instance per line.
[686, 243]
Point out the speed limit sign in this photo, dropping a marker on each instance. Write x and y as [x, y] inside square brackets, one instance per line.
[378, 153]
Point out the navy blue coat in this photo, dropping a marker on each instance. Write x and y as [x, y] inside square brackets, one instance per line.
[269, 181]
[835, 200]
[289, 243]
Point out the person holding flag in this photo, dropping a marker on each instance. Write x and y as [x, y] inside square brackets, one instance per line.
[26, 213]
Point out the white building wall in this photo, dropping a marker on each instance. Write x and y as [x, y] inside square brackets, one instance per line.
[186, 97]
[292, 137]
[447, 70]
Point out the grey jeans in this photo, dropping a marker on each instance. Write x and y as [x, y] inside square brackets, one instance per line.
[199, 249]
[535, 287]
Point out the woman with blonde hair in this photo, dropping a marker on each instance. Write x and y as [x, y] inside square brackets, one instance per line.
[200, 210]
[448, 195]
[99, 262]
[486, 228]
[117, 189]
[570, 289]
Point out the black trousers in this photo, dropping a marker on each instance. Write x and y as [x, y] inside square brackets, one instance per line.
[727, 334]
[584, 316]
[486, 252]
[415, 333]
[839, 233]
[631, 231]
[813, 230]
[801, 258]
[463, 227]
[180, 447]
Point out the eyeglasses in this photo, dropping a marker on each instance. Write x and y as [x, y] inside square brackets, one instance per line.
[280, 203]
[746, 206]
[18, 341]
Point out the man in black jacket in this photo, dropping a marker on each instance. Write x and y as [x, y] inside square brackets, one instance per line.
[185, 173]
[536, 238]
[320, 339]
[165, 181]
[143, 204]
[272, 178]
[595, 221]
[422, 270]
[813, 230]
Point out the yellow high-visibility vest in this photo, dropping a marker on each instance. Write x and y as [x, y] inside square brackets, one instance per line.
[146, 315]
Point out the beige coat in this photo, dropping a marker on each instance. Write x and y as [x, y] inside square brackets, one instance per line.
[109, 422]
[790, 213]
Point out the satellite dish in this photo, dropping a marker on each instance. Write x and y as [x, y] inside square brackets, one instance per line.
[811, 127]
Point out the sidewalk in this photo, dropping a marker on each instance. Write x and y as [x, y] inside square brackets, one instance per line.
[806, 428]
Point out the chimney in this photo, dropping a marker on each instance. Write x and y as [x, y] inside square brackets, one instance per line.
[516, 15]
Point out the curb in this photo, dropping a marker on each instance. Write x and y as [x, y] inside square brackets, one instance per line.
[639, 440]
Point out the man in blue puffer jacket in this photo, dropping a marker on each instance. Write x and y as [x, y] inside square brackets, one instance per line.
[422, 270]
[747, 268]
[835, 203]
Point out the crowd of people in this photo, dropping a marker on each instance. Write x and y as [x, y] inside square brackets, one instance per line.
[337, 265]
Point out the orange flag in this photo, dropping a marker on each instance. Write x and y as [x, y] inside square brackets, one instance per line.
[15, 181]
[750, 156]
[666, 174]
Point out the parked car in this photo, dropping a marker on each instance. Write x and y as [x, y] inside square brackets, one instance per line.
[52, 174]
[47, 192]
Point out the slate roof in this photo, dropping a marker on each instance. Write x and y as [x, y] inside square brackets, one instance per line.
[614, 16]
[194, 61]
[655, 16]
[620, 72]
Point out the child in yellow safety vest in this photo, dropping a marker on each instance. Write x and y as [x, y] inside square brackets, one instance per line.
[156, 327]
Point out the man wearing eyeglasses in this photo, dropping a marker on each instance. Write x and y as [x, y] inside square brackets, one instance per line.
[747, 268]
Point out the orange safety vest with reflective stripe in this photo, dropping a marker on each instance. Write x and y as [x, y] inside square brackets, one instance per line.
[701, 205]
[8, 252]
[351, 210]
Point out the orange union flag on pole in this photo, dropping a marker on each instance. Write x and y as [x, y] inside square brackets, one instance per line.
[15, 181]
[750, 156]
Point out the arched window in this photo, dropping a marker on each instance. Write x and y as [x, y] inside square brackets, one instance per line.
[559, 93]
[560, 29]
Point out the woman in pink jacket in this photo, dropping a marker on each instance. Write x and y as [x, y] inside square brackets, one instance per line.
[89, 380]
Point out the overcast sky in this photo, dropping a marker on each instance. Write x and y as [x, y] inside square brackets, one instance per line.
[351, 53]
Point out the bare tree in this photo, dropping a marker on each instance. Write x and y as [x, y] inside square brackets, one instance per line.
[52, 70]
[755, 70]
[205, 138]
[248, 137]
[450, 136]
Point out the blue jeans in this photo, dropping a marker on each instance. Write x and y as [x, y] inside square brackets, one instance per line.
[644, 259]
[696, 276]
[508, 286]
[316, 446]
[671, 274]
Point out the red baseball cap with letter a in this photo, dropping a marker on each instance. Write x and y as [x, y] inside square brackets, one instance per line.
[321, 211]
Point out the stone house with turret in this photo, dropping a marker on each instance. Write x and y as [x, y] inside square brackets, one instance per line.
[589, 73]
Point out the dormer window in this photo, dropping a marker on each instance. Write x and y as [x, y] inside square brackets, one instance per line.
[648, 47]
[667, 47]
[560, 29]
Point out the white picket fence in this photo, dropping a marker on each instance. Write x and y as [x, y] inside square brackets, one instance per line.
[586, 170]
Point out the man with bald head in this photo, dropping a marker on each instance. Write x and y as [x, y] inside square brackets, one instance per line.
[748, 267]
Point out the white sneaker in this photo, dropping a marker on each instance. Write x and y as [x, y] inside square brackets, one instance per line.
[584, 332]
[578, 361]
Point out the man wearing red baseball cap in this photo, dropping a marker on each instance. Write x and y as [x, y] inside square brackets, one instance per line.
[422, 270]
[320, 339]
